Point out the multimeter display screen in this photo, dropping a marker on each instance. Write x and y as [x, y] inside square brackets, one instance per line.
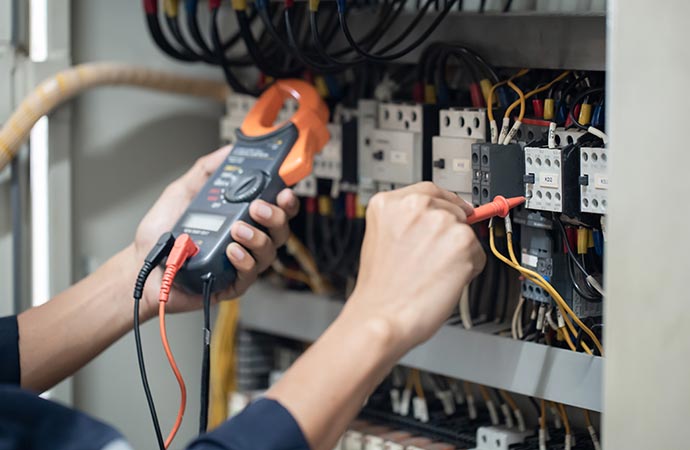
[208, 222]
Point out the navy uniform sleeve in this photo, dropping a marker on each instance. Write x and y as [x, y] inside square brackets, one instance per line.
[263, 425]
[9, 351]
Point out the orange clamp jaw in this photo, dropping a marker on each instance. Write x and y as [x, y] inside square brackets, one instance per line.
[500, 207]
[311, 119]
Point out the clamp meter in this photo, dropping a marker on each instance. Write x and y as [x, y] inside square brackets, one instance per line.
[265, 159]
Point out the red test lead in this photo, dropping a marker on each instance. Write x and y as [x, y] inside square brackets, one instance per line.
[501, 206]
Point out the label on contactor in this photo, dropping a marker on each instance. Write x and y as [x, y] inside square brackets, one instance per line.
[398, 157]
[601, 181]
[461, 165]
[548, 180]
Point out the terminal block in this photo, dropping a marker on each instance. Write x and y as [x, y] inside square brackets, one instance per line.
[499, 438]
[594, 180]
[496, 170]
[452, 149]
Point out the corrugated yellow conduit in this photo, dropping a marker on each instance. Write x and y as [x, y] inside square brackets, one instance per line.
[67, 84]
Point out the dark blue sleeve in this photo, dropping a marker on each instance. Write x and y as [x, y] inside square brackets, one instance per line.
[9, 351]
[263, 425]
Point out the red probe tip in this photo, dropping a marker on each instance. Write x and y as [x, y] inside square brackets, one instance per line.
[500, 207]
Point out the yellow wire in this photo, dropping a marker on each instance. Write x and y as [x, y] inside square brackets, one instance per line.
[222, 374]
[520, 100]
[490, 100]
[541, 282]
[509, 399]
[485, 393]
[516, 264]
[414, 379]
[542, 418]
[535, 92]
[588, 419]
[564, 417]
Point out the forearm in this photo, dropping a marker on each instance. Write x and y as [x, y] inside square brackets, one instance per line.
[62, 335]
[326, 387]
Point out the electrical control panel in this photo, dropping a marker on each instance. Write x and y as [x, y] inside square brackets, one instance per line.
[594, 180]
[452, 149]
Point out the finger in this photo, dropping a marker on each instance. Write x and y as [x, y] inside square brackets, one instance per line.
[195, 178]
[257, 242]
[273, 218]
[429, 188]
[244, 264]
[288, 201]
[451, 207]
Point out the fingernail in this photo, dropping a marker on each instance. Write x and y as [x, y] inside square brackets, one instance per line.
[237, 253]
[264, 211]
[244, 232]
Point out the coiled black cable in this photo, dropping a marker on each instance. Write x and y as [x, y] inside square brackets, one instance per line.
[386, 58]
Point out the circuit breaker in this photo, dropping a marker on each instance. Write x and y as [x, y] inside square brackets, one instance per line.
[396, 156]
[594, 180]
[452, 149]
[496, 170]
[367, 111]
[400, 147]
[328, 163]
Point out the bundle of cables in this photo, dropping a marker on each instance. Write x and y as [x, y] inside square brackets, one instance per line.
[177, 251]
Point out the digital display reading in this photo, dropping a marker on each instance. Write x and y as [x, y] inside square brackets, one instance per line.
[208, 222]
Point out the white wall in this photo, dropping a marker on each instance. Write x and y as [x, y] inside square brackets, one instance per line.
[127, 146]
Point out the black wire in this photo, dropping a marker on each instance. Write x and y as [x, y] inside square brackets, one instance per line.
[508, 5]
[594, 296]
[386, 58]
[482, 6]
[231, 79]
[256, 54]
[297, 51]
[374, 33]
[174, 27]
[577, 100]
[144, 378]
[162, 43]
[206, 358]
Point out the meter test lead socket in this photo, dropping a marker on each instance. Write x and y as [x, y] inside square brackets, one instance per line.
[265, 159]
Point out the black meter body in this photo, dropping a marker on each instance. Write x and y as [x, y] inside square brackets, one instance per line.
[249, 172]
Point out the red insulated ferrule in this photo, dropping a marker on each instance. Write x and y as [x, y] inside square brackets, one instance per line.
[151, 6]
[576, 113]
[476, 95]
[538, 107]
[418, 92]
[350, 205]
[213, 4]
[310, 205]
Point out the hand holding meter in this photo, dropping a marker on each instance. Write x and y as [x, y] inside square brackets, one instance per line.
[265, 159]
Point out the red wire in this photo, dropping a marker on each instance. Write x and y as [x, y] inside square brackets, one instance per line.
[176, 371]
